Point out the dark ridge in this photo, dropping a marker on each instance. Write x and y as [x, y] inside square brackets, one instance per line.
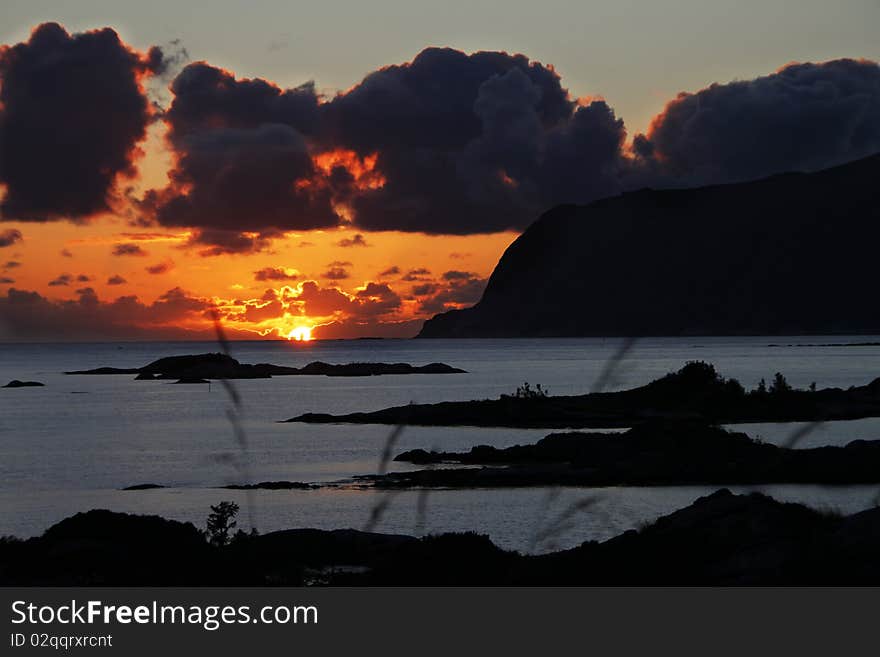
[696, 392]
[793, 254]
[658, 453]
[143, 487]
[221, 366]
[721, 539]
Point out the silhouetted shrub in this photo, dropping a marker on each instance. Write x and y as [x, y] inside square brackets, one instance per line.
[220, 522]
[525, 391]
[779, 385]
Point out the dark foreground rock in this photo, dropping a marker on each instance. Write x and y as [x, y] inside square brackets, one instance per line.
[188, 369]
[696, 392]
[652, 454]
[721, 539]
[15, 383]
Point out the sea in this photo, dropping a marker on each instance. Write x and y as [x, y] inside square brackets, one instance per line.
[74, 444]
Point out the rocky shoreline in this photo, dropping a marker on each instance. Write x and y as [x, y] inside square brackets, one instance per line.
[202, 367]
[659, 453]
[696, 392]
[720, 539]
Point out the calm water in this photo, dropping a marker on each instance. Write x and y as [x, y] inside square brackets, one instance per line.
[72, 445]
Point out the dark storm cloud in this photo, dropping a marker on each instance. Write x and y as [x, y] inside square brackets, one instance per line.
[449, 143]
[803, 117]
[207, 98]
[243, 161]
[72, 109]
[241, 180]
[128, 250]
[472, 143]
[9, 237]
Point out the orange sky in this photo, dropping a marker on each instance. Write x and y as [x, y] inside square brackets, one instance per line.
[49, 251]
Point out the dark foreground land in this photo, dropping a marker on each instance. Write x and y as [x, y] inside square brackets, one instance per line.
[657, 453]
[720, 539]
[196, 368]
[696, 392]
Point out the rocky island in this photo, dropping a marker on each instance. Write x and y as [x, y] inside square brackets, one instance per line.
[193, 368]
[15, 383]
[657, 453]
[696, 392]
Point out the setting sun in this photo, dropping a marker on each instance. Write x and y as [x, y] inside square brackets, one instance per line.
[300, 334]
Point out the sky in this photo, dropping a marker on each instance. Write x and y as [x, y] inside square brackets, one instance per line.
[314, 171]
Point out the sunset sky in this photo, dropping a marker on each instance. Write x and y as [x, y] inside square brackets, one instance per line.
[348, 170]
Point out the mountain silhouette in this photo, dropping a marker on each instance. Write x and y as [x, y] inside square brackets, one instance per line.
[795, 253]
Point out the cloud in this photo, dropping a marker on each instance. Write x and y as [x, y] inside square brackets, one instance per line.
[447, 143]
[457, 290]
[394, 270]
[4, 280]
[243, 163]
[72, 110]
[129, 250]
[336, 271]
[803, 117]
[455, 275]
[11, 264]
[356, 240]
[83, 278]
[160, 268]
[65, 253]
[359, 327]
[472, 143]
[424, 289]
[9, 237]
[373, 300]
[420, 274]
[230, 242]
[116, 279]
[61, 280]
[26, 315]
[276, 274]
